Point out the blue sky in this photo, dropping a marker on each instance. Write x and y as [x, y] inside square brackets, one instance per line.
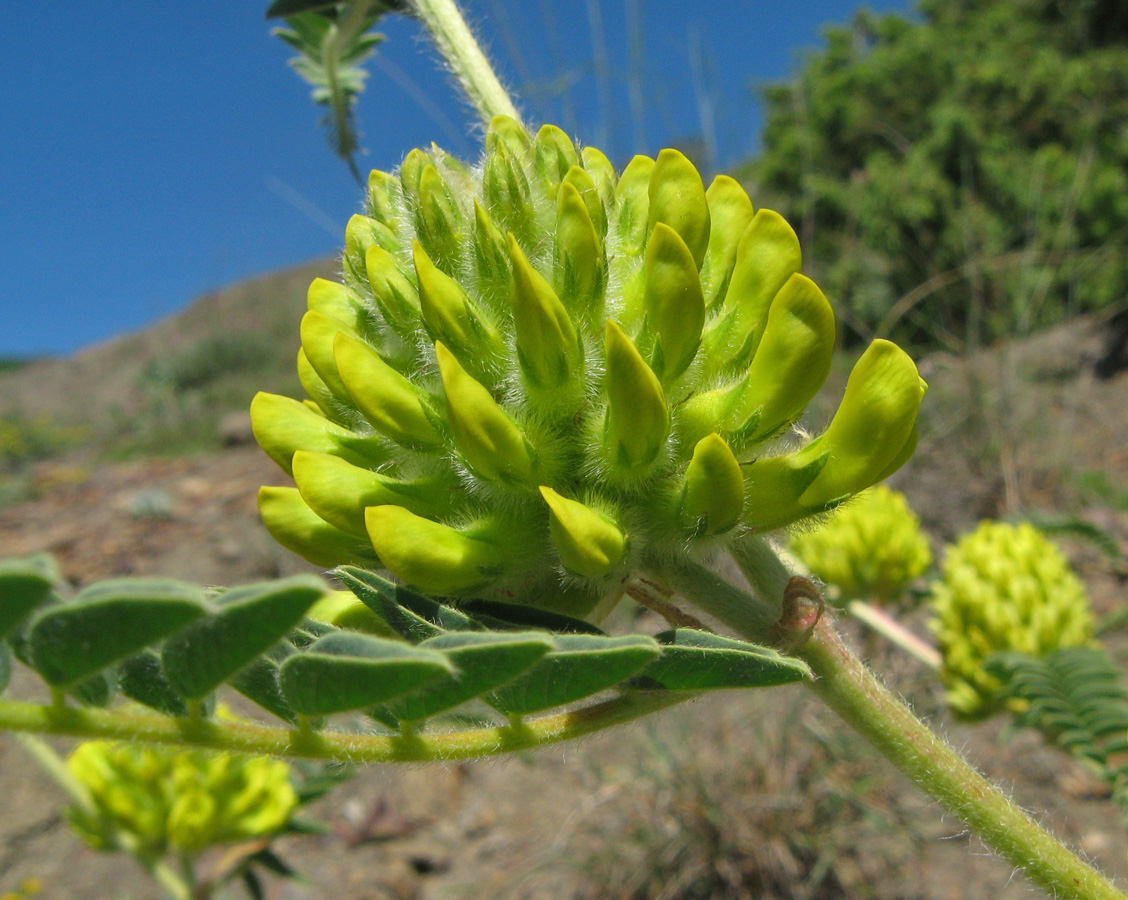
[151, 152]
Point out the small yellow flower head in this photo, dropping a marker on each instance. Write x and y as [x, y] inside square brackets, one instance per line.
[537, 374]
[187, 800]
[1003, 587]
[870, 549]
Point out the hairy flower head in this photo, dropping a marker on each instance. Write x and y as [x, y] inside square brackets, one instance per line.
[538, 373]
[1003, 588]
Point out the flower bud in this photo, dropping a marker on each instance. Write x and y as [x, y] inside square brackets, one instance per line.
[282, 425]
[296, 527]
[730, 212]
[633, 195]
[339, 492]
[491, 258]
[392, 405]
[713, 496]
[505, 189]
[360, 234]
[585, 185]
[637, 418]
[486, 436]
[588, 542]
[395, 296]
[318, 332]
[383, 197]
[677, 198]
[791, 363]
[547, 346]
[766, 256]
[602, 174]
[433, 557]
[675, 308]
[579, 254]
[439, 223]
[450, 317]
[554, 154]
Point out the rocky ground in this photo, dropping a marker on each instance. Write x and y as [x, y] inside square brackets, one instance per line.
[737, 796]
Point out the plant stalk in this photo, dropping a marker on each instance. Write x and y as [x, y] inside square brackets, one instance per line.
[467, 60]
[844, 683]
[524, 734]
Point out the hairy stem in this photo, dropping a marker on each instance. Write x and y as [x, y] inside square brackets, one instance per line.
[357, 748]
[852, 691]
[466, 58]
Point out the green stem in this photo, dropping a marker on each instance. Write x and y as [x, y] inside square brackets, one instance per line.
[852, 691]
[466, 59]
[342, 747]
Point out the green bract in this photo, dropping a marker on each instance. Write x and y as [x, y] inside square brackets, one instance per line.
[871, 549]
[538, 376]
[1003, 588]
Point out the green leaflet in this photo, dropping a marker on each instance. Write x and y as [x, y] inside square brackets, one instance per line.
[24, 584]
[482, 661]
[499, 616]
[249, 621]
[412, 615]
[141, 678]
[108, 622]
[258, 682]
[580, 666]
[345, 671]
[5, 666]
[700, 661]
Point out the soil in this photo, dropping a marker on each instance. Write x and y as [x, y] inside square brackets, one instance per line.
[740, 795]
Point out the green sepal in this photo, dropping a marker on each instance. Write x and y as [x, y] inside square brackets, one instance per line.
[548, 348]
[431, 556]
[602, 173]
[638, 420]
[283, 426]
[730, 212]
[25, 583]
[248, 621]
[298, 528]
[413, 616]
[713, 493]
[791, 363]
[675, 307]
[633, 197]
[106, 623]
[871, 427]
[486, 436]
[677, 198]
[773, 485]
[450, 317]
[554, 154]
[581, 265]
[346, 671]
[483, 661]
[391, 403]
[361, 233]
[258, 682]
[394, 294]
[588, 542]
[706, 412]
[339, 492]
[701, 661]
[141, 678]
[581, 665]
[382, 197]
[767, 255]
